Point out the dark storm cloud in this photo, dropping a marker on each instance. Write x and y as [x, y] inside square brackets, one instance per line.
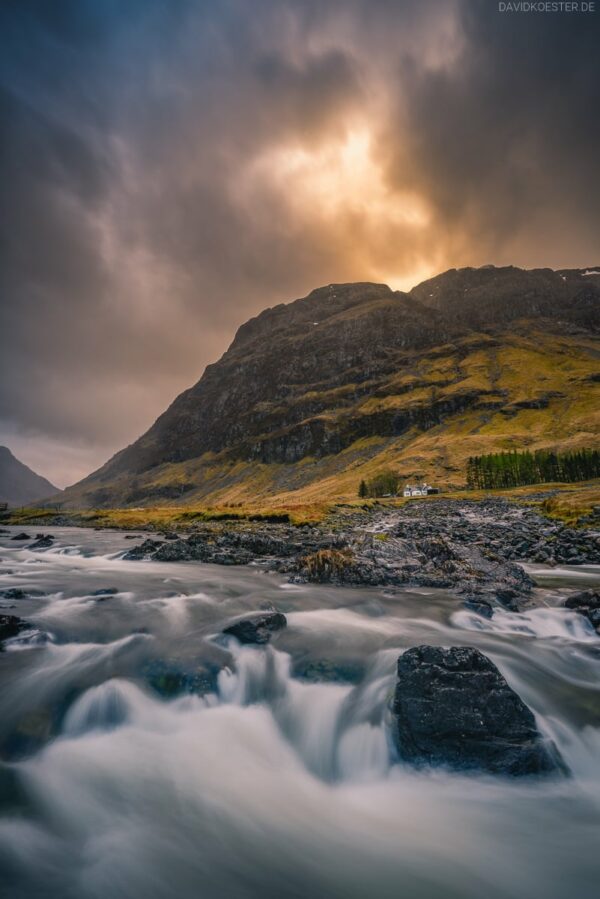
[170, 167]
[504, 141]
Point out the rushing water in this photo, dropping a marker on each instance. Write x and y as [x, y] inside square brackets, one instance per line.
[272, 784]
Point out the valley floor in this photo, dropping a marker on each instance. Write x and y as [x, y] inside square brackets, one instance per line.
[469, 543]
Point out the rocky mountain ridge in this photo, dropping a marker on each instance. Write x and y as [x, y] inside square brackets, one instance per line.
[356, 364]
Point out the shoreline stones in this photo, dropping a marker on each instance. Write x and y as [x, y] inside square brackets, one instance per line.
[257, 628]
[471, 547]
[453, 708]
[143, 551]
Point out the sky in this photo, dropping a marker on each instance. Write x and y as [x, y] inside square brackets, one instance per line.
[170, 168]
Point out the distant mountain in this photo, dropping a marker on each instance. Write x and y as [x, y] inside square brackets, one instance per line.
[19, 485]
[314, 395]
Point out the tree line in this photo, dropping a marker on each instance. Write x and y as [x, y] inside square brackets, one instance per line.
[516, 469]
[386, 482]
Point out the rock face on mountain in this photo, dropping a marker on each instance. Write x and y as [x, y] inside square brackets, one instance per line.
[19, 485]
[359, 373]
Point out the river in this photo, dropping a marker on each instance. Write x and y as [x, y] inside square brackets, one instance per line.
[279, 779]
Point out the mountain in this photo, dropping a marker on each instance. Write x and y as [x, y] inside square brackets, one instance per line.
[19, 485]
[314, 395]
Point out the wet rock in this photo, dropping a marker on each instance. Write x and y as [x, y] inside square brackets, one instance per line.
[257, 628]
[329, 671]
[33, 729]
[480, 607]
[264, 544]
[105, 592]
[509, 598]
[586, 603]
[42, 541]
[172, 677]
[21, 593]
[13, 795]
[177, 551]
[21, 536]
[453, 708]
[145, 549]
[232, 557]
[11, 626]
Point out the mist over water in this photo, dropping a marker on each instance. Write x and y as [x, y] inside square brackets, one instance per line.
[277, 777]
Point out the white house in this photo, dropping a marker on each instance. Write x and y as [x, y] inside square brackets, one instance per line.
[423, 489]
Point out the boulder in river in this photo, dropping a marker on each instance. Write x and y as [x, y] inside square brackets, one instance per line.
[453, 708]
[479, 606]
[21, 536]
[172, 677]
[20, 593]
[42, 541]
[586, 603]
[11, 626]
[257, 628]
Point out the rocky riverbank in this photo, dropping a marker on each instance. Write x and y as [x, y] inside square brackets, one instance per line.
[472, 548]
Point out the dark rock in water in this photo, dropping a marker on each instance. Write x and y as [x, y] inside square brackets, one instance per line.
[20, 593]
[11, 626]
[587, 603]
[42, 541]
[147, 548]
[480, 607]
[33, 729]
[585, 599]
[13, 796]
[594, 617]
[454, 708]
[329, 671]
[21, 536]
[509, 599]
[234, 557]
[177, 551]
[105, 591]
[172, 677]
[256, 628]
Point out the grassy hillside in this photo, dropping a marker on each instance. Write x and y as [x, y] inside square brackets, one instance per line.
[520, 388]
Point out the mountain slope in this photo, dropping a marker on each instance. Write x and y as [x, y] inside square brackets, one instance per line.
[313, 395]
[19, 485]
